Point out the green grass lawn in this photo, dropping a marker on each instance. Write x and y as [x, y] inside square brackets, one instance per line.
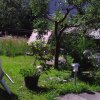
[51, 82]
[12, 67]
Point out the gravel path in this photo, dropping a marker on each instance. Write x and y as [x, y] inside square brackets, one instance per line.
[82, 96]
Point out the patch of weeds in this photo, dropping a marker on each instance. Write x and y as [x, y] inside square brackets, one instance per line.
[52, 76]
[95, 88]
[71, 88]
[13, 46]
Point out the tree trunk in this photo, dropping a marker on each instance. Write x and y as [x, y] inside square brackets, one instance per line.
[57, 45]
[57, 51]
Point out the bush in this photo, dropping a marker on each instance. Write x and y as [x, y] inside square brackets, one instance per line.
[69, 61]
[27, 72]
[75, 46]
[41, 51]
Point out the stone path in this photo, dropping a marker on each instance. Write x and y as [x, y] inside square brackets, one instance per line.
[82, 96]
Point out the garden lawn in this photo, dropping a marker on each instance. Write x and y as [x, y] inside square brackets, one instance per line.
[53, 83]
[12, 66]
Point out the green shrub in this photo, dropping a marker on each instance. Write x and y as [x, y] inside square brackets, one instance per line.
[75, 45]
[41, 51]
[27, 72]
[69, 61]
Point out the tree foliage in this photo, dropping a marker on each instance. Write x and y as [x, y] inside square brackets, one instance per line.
[39, 12]
[84, 14]
[14, 14]
[39, 7]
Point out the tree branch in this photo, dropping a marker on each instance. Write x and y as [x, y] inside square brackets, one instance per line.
[66, 26]
[56, 29]
[48, 17]
[68, 10]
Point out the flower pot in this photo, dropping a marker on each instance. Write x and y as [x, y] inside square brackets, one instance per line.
[31, 82]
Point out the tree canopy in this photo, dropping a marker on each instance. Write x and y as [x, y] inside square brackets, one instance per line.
[84, 14]
[14, 14]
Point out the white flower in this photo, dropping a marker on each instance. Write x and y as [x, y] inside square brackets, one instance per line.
[39, 67]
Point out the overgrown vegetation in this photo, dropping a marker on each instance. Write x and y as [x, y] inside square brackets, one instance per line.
[66, 15]
[41, 52]
[75, 46]
[52, 83]
[82, 15]
[13, 46]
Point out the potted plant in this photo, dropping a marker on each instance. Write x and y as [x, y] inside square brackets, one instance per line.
[31, 77]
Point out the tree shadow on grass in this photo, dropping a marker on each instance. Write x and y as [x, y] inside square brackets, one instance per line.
[41, 89]
[5, 96]
[44, 89]
[91, 92]
[90, 80]
[32, 84]
[87, 79]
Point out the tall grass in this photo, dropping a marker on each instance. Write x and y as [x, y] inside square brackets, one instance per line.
[12, 46]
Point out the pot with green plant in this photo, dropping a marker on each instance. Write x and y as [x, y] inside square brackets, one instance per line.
[31, 76]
